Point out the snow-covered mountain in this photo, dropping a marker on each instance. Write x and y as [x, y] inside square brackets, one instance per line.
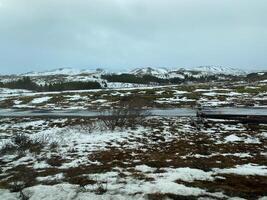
[158, 72]
[70, 74]
[191, 72]
[211, 70]
[141, 71]
[63, 71]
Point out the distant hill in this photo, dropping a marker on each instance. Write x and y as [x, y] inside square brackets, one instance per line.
[62, 71]
[138, 76]
[196, 72]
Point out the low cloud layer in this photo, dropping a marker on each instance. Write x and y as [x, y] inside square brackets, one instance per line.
[120, 34]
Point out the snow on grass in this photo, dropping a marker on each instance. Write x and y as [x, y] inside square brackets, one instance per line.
[6, 195]
[16, 102]
[173, 100]
[40, 100]
[63, 192]
[96, 138]
[145, 168]
[41, 165]
[76, 97]
[210, 94]
[24, 106]
[57, 192]
[162, 186]
[81, 140]
[76, 108]
[227, 127]
[246, 169]
[51, 178]
[179, 92]
[240, 155]
[252, 140]
[125, 183]
[264, 134]
[30, 123]
[84, 142]
[99, 101]
[185, 174]
[125, 85]
[214, 103]
[52, 135]
[233, 138]
[164, 182]
[13, 91]
[248, 139]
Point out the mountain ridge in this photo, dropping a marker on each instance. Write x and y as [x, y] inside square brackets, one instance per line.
[160, 72]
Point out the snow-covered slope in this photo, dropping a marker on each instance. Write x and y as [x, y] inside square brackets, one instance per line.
[182, 72]
[211, 70]
[70, 74]
[63, 71]
[61, 75]
[157, 72]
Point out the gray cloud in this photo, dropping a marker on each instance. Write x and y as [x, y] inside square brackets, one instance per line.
[115, 34]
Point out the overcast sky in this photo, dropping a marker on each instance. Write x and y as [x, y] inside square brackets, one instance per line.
[120, 34]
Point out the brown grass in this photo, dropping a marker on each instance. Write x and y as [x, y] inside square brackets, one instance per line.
[249, 187]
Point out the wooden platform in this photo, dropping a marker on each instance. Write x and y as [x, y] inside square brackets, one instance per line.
[244, 115]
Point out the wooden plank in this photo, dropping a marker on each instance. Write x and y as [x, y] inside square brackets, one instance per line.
[249, 118]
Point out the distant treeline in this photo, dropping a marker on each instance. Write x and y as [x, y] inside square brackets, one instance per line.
[130, 78]
[257, 76]
[147, 79]
[28, 84]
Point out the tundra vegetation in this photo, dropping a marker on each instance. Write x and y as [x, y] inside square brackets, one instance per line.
[129, 154]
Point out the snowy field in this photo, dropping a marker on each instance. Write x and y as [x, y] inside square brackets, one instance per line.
[137, 158]
[173, 96]
[156, 158]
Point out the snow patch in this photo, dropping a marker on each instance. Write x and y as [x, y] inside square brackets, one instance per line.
[233, 138]
[40, 100]
[247, 169]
